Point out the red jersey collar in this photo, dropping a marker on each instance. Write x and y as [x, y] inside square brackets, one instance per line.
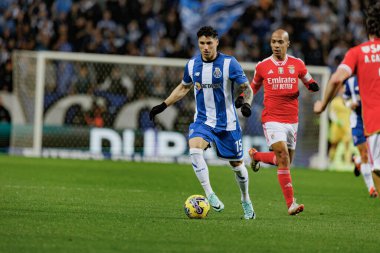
[279, 63]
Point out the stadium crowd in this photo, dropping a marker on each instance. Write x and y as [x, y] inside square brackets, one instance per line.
[321, 31]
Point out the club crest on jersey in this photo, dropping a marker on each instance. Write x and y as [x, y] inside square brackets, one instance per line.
[291, 69]
[280, 70]
[217, 73]
[198, 86]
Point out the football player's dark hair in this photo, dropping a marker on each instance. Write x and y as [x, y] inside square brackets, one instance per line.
[373, 19]
[207, 31]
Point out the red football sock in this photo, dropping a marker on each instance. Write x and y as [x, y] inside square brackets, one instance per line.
[266, 157]
[285, 181]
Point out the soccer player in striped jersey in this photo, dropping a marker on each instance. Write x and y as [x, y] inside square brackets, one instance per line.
[352, 100]
[279, 75]
[364, 61]
[212, 76]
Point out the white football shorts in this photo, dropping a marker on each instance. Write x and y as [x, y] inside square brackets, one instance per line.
[374, 150]
[275, 132]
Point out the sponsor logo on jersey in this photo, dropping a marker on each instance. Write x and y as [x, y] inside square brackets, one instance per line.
[282, 83]
[199, 86]
[280, 70]
[197, 73]
[217, 73]
[291, 69]
[270, 72]
[277, 80]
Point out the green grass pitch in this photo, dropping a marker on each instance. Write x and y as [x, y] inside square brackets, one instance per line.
[56, 205]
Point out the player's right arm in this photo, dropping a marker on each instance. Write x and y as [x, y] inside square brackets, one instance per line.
[177, 94]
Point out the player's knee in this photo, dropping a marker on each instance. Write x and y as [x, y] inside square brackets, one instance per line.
[194, 151]
[236, 163]
[240, 170]
[364, 157]
[282, 154]
[283, 158]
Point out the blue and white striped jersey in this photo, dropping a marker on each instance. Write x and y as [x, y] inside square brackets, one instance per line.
[213, 90]
[351, 93]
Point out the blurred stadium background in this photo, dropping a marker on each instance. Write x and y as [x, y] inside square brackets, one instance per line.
[78, 77]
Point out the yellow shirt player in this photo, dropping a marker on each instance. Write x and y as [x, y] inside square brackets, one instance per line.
[340, 130]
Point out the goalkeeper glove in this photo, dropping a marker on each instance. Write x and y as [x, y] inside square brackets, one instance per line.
[156, 110]
[239, 102]
[313, 87]
[246, 110]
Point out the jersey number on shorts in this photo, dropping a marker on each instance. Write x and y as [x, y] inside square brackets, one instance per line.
[239, 145]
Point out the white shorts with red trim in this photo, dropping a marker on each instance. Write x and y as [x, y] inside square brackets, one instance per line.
[374, 150]
[275, 132]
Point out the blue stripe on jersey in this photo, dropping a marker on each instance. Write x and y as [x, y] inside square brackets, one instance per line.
[351, 92]
[213, 90]
[219, 98]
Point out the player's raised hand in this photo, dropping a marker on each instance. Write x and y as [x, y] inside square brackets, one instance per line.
[318, 107]
[239, 101]
[156, 110]
[246, 110]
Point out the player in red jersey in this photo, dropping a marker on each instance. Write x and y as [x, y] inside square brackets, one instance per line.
[279, 74]
[364, 61]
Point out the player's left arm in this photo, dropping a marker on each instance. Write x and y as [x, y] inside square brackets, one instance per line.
[344, 71]
[256, 84]
[247, 92]
[307, 79]
[333, 85]
[238, 76]
[246, 97]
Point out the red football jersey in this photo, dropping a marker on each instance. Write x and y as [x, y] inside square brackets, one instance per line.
[364, 61]
[280, 79]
